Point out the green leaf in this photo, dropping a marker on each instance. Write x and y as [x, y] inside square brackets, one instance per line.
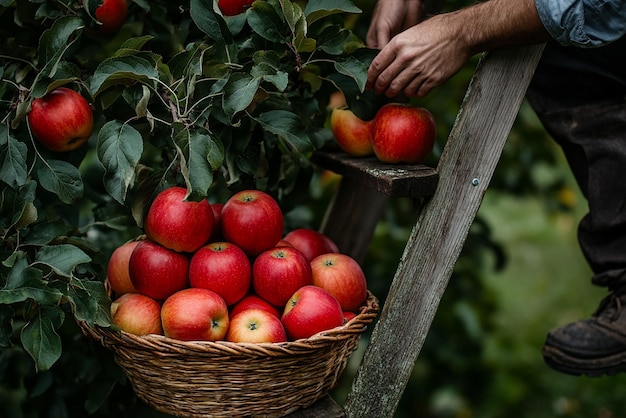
[354, 68]
[124, 70]
[110, 215]
[89, 301]
[316, 10]
[42, 233]
[332, 39]
[119, 149]
[267, 67]
[200, 155]
[21, 273]
[210, 22]
[138, 97]
[305, 44]
[287, 126]
[91, 6]
[18, 206]
[239, 93]
[62, 179]
[236, 23]
[62, 259]
[363, 104]
[188, 62]
[54, 43]
[40, 338]
[25, 282]
[36, 290]
[293, 14]
[97, 292]
[65, 73]
[264, 19]
[13, 169]
[298, 26]
[135, 44]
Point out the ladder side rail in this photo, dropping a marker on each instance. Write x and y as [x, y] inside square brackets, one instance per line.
[465, 169]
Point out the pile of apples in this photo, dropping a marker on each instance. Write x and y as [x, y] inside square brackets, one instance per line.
[398, 133]
[211, 272]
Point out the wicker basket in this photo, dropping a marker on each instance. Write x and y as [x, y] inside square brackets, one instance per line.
[223, 379]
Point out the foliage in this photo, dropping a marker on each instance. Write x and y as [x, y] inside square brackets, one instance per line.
[181, 95]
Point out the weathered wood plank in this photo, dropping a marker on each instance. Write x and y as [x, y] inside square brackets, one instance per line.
[466, 166]
[398, 180]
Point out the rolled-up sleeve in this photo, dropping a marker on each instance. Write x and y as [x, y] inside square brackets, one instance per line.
[583, 23]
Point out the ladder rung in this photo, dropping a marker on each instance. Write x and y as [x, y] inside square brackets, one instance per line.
[398, 180]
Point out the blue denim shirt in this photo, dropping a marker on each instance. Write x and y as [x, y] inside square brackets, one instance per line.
[583, 23]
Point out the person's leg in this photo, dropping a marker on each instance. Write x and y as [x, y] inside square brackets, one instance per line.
[593, 139]
[590, 125]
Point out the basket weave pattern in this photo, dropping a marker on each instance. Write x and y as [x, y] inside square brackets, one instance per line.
[224, 379]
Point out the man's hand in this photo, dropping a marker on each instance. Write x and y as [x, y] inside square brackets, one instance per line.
[389, 18]
[418, 59]
[427, 54]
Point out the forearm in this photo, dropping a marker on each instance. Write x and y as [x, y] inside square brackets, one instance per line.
[497, 24]
[425, 55]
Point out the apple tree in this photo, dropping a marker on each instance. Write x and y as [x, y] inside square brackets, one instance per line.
[181, 95]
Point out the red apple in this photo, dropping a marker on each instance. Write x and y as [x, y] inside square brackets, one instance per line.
[195, 314]
[233, 7]
[179, 224]
[216, 233]
[403, 133]
[311, 242]
[283, 243]
[252, 220]
[223, 268]
[256, 326]
[278, 273]
[310, 310]
[157, 271]
[137, 314]
[252, 301]
[348, 316]
[336, 99]
[342, 277]
[117, 269]
[61, 120]
[352, 134]
[112, 15]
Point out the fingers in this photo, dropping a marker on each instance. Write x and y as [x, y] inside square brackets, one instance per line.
[407, 82]
[377, 38]
[418, 87]
[381, 71]
[390, 74]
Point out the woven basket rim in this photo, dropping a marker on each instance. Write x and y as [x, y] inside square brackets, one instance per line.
[110, 337]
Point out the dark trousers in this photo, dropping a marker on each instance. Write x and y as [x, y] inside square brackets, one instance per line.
[580, 98]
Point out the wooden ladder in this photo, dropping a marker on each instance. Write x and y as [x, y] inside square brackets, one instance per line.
[451, 197]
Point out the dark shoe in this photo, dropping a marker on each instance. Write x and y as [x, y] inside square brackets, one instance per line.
[592, 347]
